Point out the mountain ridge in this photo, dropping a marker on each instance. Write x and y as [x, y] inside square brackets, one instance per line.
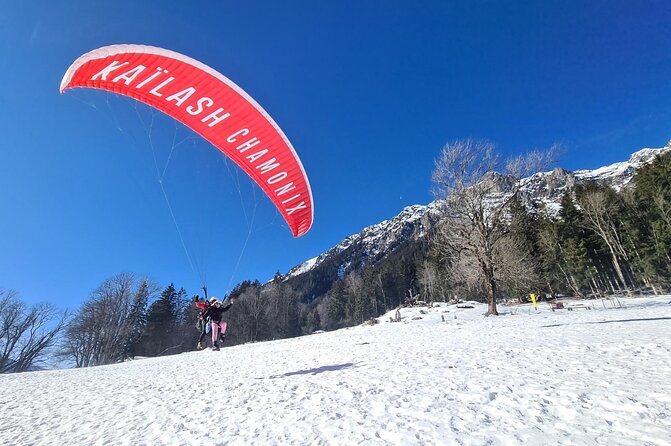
[543, 188]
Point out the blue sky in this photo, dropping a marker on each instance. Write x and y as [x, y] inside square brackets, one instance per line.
[367, 91]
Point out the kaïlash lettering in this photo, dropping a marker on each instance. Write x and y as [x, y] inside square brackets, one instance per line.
[155, 90]
[200, 106]
[105, 71]
[130, 75]
[159, 71]
[181, 96]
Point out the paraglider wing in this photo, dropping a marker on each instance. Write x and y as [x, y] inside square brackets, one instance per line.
[212, 106]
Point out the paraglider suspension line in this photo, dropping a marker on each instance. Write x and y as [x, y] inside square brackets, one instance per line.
[179, 232]
[159, 178]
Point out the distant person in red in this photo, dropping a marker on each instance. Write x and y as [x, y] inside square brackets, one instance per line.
[215, 312]
[203, 323]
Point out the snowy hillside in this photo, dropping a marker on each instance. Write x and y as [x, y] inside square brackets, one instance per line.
[543, 188]
[441, 376]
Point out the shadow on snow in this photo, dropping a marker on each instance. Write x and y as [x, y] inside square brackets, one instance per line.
[317, 370]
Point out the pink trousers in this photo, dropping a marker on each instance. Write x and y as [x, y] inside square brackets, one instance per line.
[218, 327]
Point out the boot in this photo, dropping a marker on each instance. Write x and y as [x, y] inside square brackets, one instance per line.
[215, 347]
[200, 346]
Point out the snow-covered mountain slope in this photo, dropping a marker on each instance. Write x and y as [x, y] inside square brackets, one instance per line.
[547, 187]
[544, 188]
[441, 376]
[377, 239]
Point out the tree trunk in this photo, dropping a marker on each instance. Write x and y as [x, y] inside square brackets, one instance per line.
[618, 269]
[491, 293]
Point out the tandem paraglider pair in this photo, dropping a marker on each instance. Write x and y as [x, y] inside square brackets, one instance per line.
[211, 312]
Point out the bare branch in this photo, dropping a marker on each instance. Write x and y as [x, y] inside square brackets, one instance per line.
[26, 333]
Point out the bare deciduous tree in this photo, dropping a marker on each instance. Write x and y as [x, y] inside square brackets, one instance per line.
[663, 208]
[26, 333]
[106, 322]
[477, 201]
[251, 315]
[515, 266]
[429, 279]
[281, 308]
[602, 217]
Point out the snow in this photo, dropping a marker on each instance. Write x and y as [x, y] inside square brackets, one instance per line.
[620, 174]
[304, 267]
[443, 375]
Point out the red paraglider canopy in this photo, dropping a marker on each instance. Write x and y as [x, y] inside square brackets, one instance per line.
[212, 106]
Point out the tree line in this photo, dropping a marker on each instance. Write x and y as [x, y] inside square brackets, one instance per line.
[490, 243]
[494, 242]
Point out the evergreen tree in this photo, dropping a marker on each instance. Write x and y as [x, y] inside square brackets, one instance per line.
[650, 221]
[336, 306]
[566, 265]
[549, 245]
[575, 259]
[162, 320]
[525, 271]
[312, 321]
[137, 318]
[578, 265]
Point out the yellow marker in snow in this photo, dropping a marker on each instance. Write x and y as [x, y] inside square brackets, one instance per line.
[533, 299]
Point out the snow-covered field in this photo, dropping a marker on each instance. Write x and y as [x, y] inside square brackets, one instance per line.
[582, 377]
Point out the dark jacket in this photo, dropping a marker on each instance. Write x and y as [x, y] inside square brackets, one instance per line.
[215, 311]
